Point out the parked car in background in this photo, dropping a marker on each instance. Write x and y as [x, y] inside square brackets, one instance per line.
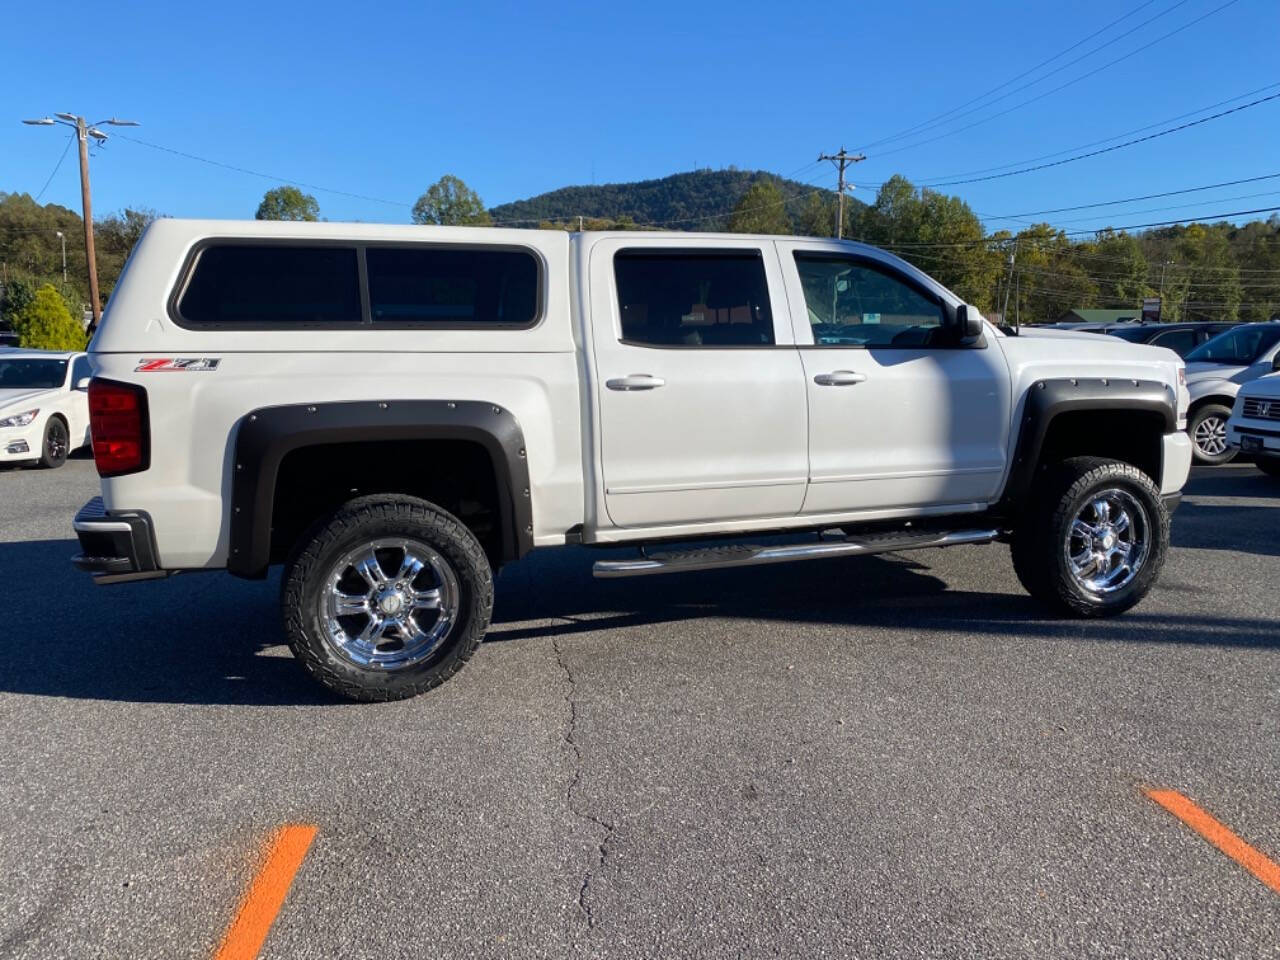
[1215, 372]
[1181, 338]
[44, 406]
[1254, 427]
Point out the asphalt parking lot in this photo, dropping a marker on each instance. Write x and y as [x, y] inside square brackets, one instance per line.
[891, 756]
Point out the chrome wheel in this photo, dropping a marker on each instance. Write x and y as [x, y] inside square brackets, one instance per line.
[1210, 436]
[1108, 541]
[389, 604]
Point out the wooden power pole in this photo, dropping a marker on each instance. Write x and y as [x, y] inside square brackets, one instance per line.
[842, 160]
[84, 131]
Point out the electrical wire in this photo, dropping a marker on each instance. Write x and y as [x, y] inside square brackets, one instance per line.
[1069, 83]
[940, 119]
[1118, 146]
[926, 181]
[56, 167]
[1148, 196]
[264, 176]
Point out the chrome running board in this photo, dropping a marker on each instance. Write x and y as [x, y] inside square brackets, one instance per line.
[714, 558]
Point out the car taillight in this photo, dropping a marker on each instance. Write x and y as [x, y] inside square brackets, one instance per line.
[119, 427]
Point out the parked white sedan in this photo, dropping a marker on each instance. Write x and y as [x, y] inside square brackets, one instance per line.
[44, 405]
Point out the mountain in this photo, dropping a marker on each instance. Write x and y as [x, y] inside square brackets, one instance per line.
[700, 200]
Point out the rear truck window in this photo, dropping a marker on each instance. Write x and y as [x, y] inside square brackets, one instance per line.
[693, 298]
[248, 285]
[452, 286]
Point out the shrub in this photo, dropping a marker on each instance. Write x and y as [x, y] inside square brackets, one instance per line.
[45, 323]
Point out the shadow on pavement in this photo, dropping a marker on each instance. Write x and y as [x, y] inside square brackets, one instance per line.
[883, 591]
[212, 639]
[1234, 481]
[196, 638]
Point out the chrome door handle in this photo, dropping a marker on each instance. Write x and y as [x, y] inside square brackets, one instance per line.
[839, 378]
[635, 381]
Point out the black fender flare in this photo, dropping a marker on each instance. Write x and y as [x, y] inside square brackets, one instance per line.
[266, 435]
[1048, 399]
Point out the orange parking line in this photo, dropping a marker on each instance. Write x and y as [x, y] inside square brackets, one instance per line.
[1219, 835]
[266, 894]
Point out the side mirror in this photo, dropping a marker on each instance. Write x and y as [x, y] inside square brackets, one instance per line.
[82, 383]
[968, 324]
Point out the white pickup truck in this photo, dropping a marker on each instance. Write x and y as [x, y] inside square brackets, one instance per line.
[395, 412]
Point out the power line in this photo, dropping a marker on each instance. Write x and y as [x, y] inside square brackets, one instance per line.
[1075, 233]
[925, 181]
[934, 121]
[56, 167]
[1069, 83]
[1118, 146]
[1148, 196]
[264, 176]
[1134, 213]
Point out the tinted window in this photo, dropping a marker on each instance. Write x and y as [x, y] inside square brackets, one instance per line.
[438, 285]
[694, 299]
[1180, 342]
[1137, 335]
[851, 303]
[244, 284]
[1240, 346]
[32, 373]
[80, 369]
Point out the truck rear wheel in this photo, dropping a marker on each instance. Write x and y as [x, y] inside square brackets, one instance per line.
[1093, 539]
[387, 598]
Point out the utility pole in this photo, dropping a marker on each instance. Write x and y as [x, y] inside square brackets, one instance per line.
[63, 237]
[1013, 256]
[84, 131]
[842, 160]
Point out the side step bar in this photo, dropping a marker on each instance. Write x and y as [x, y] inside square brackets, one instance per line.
[712, 558]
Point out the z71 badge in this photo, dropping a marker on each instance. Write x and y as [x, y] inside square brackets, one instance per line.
[177, 365]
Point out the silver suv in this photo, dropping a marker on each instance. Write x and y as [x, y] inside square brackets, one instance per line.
[1215, 372]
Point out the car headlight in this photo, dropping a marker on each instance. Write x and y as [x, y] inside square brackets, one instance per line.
[19, 419]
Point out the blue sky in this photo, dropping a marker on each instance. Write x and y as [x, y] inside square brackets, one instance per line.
[380, 99]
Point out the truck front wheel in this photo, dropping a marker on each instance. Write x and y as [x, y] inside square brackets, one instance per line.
[387, 598]
[1093, 539]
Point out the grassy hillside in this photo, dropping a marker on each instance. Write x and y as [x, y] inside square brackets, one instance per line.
[701, 200]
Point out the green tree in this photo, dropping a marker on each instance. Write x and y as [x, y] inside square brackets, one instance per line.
[450, 202]
[287, 203]
[762, 209]
[1048, 277]
[45, 323]
[1118, 267]
[816, 216]
[115, 237]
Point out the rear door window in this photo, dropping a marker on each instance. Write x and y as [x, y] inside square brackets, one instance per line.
[251, 285]
[693, 298]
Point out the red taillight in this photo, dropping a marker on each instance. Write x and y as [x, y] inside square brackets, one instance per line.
[118, 424]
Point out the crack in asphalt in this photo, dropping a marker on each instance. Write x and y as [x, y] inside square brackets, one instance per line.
[571, 794]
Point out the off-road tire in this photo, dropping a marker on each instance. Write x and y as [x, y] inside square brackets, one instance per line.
[1220, 413]
[55, 445]
[1038, 548]
[1269, 465]
[366, 519]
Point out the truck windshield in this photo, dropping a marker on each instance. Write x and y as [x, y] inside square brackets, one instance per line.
[1241, 346]
[31, 373]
